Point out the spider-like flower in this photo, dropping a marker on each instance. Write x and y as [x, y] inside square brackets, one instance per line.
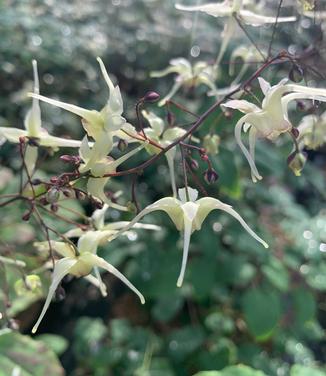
[33, 130]
[188, 76]
[163, 137]
[100, 125]
[80, 261]
[271, 119]
[233, 9]
[188, 214]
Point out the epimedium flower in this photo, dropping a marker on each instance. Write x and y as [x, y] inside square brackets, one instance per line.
[271, 119]
[98, 163]
[188, 215]
[34, 131]
[80, 261]
[312, 131]
[188, 76]
[233, 9]
[164, 137]
[100, 125]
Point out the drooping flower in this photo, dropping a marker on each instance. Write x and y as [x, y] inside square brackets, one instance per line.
[232, 9]
[271, 119]
[33, 130]
[188, 214]
[188, 76]
[80, 262]
[312, 131]
[163, 137]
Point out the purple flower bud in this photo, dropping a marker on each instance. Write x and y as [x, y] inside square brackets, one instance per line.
[194, 164]
[26, 216]
[54, 207]
[80, 195]
[36, 181]
[211, 176]
[295, 132]
[67, 192]
[151, 97]
[73, 159]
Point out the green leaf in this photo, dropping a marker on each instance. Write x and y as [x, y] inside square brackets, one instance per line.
[304, 306]
[262, 310]
[26, 356]
[239, 370]
[298, 370]
[56, 343]
[277, 274]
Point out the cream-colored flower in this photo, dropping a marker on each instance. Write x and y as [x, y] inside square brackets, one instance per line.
[232, 9]
[163, 137]
[100, 125]
[80, 262]
[188, 214]
[312, 131]
[34, 130]
[188, 76]
[271, 119]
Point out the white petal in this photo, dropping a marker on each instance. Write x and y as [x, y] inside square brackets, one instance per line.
[61, 269]
[30, 157]
[12, 134]
[98, 261]
[207, 204]
[237, 132]
[254, 19]
[241, 105]
[214, 9]
[58, 142]
[91, 116]
[264, 85]
[186, 243]
[227, 34]
[97, 283]
[171, 93]
[193, 194]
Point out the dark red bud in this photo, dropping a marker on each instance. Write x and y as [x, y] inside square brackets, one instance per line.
[194, 165]
[80, 195]
[54, 179]
[151, 97]
[67, 192]
[204, 157]
[54, 207]
[36, 181]
[211, 176]
[295, 132]
[70, 159]
[22, 140]
[26, 216]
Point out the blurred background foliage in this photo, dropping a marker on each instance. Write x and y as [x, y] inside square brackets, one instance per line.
[240, 303]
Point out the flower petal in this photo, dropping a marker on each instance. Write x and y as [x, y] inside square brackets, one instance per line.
[193, 194]
[186, 243]
[241, 105]
[255, 19]
[207, 204]
[101, 263]
[61, 269]
[213, 9]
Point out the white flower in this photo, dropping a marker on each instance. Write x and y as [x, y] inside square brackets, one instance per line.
[312, 131]
[271, 119]
[188, 76]
[96, 161]
[163, 137]
[80, 262]
[188, 214]
[34, 130]
[230, 9]
[100, 125]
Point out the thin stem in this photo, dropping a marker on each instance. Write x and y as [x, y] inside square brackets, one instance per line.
[274, 27]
